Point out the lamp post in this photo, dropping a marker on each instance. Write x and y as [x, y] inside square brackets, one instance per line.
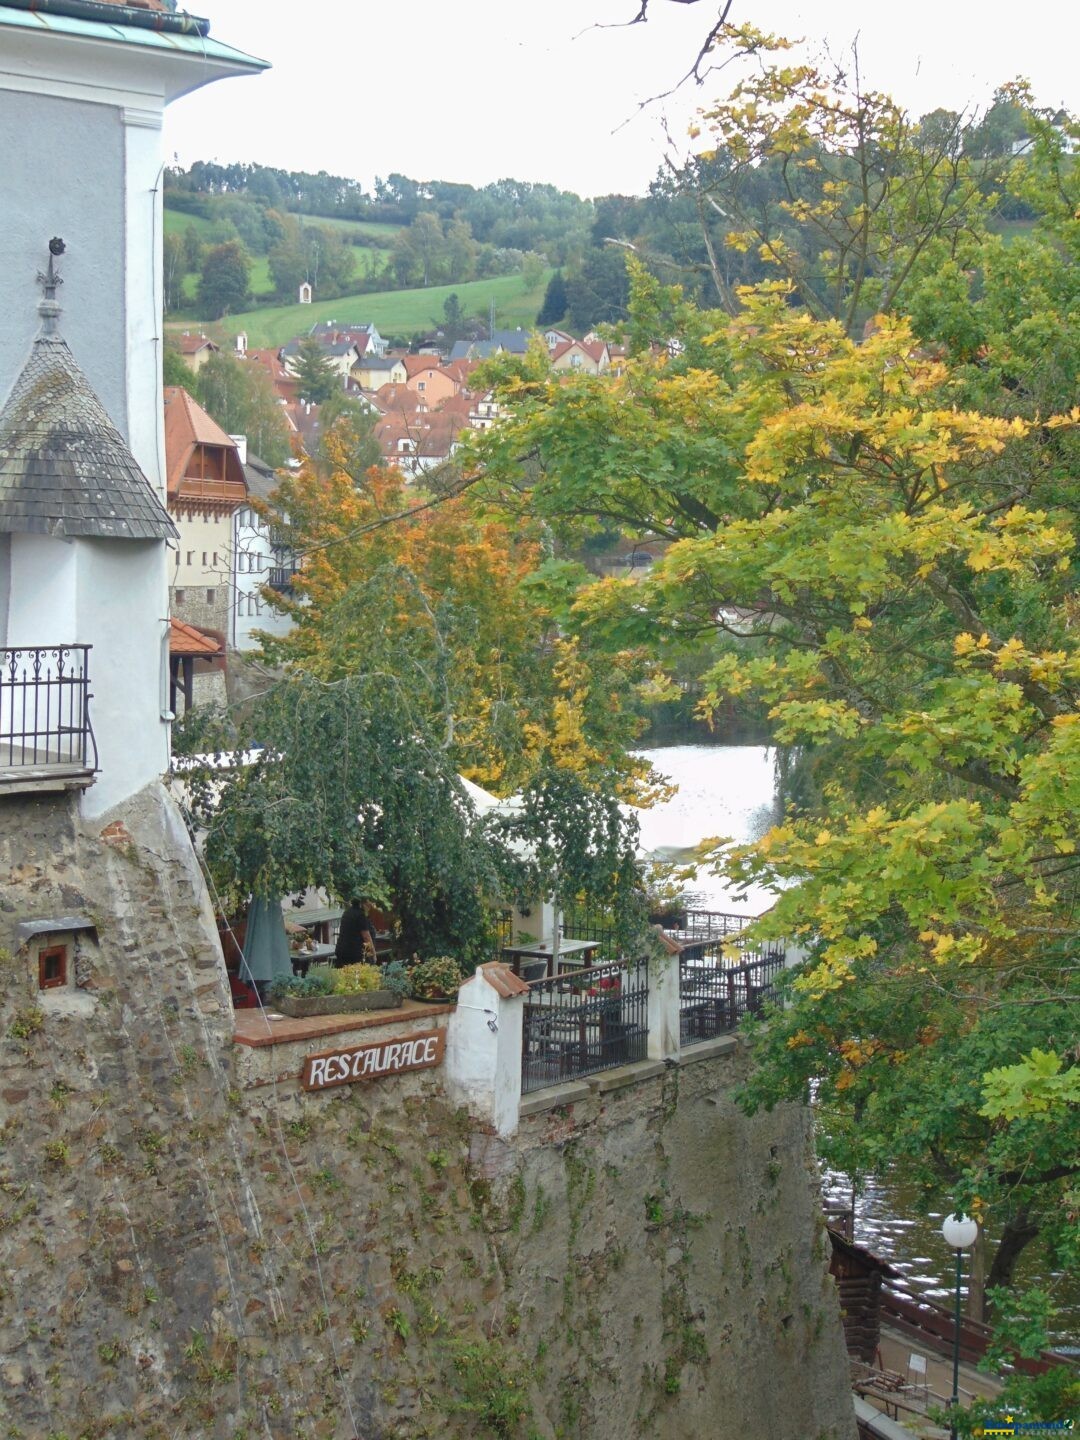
[960, 1233]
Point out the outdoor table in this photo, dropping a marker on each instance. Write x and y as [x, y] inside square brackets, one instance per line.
[302, 960]
[578, 954]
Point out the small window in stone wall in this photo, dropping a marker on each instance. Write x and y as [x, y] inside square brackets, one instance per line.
[181, 596]
[52, 967]
[210, 597]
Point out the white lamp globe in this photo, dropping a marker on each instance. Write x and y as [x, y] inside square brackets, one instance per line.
[960, 1231]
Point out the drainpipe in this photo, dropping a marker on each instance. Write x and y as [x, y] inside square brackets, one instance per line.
[166, 714]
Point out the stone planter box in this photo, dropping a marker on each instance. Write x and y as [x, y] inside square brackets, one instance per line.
[298, 1006]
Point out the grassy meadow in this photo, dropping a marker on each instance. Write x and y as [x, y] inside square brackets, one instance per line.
[394, 312]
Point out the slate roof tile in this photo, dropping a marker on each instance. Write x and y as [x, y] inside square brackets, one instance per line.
[65, 469]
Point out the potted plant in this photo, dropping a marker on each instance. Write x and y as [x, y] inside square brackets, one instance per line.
[395, 978]
[666, 901]
[436, 979]
[338, 992]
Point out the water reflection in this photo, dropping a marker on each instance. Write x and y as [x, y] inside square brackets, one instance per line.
[724, 790]
[888, 1222]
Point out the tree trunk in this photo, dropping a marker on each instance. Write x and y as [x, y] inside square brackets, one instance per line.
[1019, 1231]
[976, 1296]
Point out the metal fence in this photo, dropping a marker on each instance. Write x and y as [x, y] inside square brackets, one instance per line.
[579, 1023]
[45, 710]
[502, 922]
[612, 941]
[714, 997]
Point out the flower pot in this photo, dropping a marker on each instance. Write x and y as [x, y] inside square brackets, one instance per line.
[669, 919]
[299, 1006]
[435, 999]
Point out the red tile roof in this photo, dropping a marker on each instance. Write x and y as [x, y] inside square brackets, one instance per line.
[192, 344]
[398, 398]
[459, 370]
[187, 639]
[187, 425]
[417, 364]
[503, 980]
[431, 435]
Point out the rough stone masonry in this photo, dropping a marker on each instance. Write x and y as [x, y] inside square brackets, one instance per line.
[180, 1256]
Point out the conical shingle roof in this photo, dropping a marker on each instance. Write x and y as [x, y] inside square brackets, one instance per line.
[65, 469]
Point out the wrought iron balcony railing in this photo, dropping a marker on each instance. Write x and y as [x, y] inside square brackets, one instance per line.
[281, 579]
[45, 729]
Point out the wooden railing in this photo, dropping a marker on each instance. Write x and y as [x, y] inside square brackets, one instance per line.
[932, 1325]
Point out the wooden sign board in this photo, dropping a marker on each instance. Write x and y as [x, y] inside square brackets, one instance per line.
[373, 1062]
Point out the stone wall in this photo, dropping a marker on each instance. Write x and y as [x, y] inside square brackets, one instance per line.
[181, 1256]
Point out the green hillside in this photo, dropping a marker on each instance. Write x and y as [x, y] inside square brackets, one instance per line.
[373, 230]
[177, 221]
[395, 312]
[381, 236]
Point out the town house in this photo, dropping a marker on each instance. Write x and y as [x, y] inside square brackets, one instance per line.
[206, 486]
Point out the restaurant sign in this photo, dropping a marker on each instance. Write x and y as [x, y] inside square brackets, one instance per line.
[373, 1062]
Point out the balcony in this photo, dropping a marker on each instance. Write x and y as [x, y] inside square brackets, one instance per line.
[46, 739]
[281, 579]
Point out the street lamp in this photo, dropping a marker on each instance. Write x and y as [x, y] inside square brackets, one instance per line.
[960, 1233]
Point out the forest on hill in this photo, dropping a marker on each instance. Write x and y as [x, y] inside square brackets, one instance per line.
[242, 236]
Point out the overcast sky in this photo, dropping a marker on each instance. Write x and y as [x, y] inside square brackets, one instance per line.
[475, 90]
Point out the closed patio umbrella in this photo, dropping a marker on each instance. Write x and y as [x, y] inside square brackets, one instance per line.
[266, 948]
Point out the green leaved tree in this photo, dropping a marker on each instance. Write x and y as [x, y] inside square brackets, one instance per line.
[889, 567]
[316, 377]
[225, 282]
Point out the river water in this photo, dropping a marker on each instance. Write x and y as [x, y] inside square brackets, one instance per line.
[729, 791]
[726, 792]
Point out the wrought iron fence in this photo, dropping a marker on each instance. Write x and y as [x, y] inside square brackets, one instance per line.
[45, 709]
[714, 997]
[706, 934]
[612, 938]
[580, 1023]
[502, 923]
[281, 579]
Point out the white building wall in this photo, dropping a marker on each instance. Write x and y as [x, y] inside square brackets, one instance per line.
[254, 559]
[41, 590]
[203, 557]
[483, 1053]
[43, 597]
[121, 613]
[87, 113]
[143, 189]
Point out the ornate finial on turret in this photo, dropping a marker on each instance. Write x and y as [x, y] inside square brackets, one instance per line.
[48, 305]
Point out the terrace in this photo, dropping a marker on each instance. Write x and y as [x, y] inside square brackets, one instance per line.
[46, 739]
[582, 1019]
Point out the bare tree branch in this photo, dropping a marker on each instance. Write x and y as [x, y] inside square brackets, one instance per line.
[698, 71]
